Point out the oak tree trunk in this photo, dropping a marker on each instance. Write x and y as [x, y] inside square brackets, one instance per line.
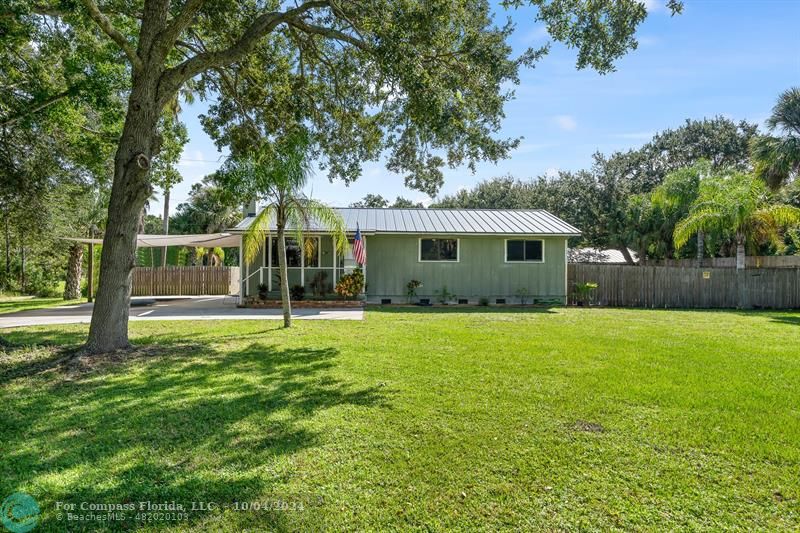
[131, 188]
[72, 288]
[284, 281]
[165, 225]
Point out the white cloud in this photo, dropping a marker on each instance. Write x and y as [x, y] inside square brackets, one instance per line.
[566, 122]
[653, 5]
[535, 34]
[635, 136]
[551, 172]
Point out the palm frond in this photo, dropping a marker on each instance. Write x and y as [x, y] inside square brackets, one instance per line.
[786, 113]
[707, 220]
[330, 219]
[255, 236]
[779, 214]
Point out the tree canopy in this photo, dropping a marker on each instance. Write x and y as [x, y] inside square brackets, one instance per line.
[610, 201]
[423, 81]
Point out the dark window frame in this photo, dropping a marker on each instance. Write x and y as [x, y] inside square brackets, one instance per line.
[458, 250]
[524, 251]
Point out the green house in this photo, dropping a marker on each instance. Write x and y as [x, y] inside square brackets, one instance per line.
[458, 255]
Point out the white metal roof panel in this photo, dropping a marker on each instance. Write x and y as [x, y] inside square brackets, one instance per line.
[449, 221]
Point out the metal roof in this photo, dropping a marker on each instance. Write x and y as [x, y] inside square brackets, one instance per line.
[448, 221]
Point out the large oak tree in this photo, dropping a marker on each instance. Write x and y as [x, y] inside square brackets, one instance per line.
[422, 81]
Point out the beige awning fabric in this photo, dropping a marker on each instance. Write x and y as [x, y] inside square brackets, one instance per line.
[209, 240]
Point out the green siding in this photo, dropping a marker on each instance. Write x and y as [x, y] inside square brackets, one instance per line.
[392, 261]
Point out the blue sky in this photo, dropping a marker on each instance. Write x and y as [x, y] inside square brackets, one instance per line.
[720, 57]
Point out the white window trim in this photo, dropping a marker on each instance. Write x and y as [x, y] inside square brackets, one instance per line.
[302, 255]
[505, 252]
[419, 250]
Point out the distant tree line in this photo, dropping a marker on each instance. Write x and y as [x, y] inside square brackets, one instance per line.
[636, 199]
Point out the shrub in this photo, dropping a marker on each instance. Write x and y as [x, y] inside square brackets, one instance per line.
[483, 302]
[263, 291]
[522, 294]
[297, 292]
[350, 285]
[411, 289]
[444, 295]
[318, 284]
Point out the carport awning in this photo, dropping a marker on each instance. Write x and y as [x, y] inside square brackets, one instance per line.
[206, 240]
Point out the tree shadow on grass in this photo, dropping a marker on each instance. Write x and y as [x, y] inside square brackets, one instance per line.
[793, 319]
[459, 309]
[194, 425]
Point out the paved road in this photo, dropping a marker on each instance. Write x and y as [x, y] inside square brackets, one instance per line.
[173, 308]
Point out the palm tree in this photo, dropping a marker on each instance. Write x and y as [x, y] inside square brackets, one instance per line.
[736, 205]
[277, 174]
[675, 195]
[776, 159]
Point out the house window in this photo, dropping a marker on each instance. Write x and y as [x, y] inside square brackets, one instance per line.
[438, 250]
[294, 251]
[524, 251]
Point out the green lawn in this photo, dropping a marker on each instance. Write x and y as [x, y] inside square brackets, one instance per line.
[423, 419]
[12, 304]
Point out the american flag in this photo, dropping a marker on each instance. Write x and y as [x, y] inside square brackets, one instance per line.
[359, 252]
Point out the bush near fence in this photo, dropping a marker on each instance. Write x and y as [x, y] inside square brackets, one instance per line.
[689, 287]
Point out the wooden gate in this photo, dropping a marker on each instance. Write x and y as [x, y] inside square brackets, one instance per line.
[184, 281]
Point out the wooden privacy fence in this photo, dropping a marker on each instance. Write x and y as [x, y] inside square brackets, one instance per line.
[684, 287]
[762, 261]
[184, 281]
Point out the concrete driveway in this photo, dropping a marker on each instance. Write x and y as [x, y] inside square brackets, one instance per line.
[173, 308]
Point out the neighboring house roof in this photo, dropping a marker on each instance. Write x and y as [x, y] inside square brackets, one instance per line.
[448, 221]
[598, 255]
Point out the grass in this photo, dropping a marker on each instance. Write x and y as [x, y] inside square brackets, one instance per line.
[418, 419]
[12, 304]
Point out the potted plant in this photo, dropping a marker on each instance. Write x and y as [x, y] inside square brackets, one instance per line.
[583, 292]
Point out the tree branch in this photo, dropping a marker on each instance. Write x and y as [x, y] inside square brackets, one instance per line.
[173, 78]
[179, 23]
[13, 119]
[105, 24]
[330, 33]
